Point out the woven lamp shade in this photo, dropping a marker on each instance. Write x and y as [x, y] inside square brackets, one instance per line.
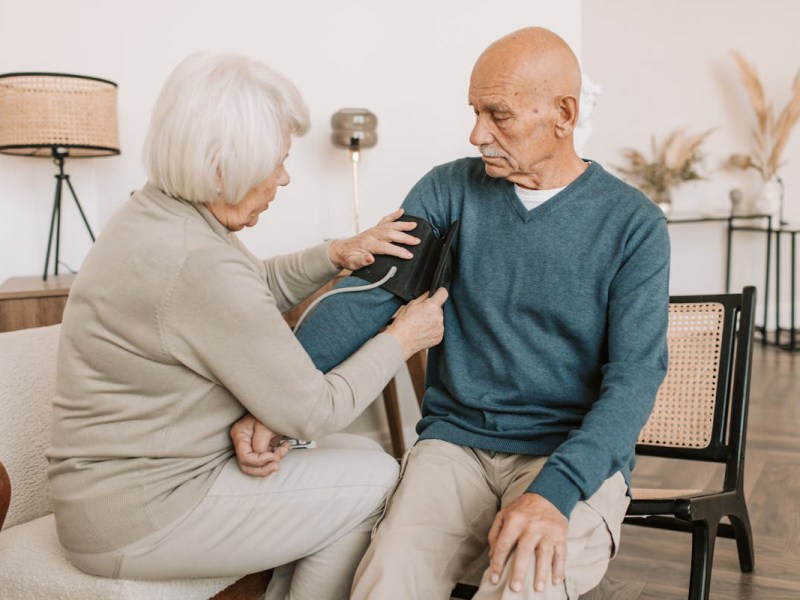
[40, 112]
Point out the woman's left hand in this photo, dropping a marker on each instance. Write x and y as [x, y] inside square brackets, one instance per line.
[358, 251]
[258, 450]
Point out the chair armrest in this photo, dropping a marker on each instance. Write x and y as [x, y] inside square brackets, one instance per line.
[5, 494]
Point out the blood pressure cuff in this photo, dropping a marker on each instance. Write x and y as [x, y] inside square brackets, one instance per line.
[432, 267]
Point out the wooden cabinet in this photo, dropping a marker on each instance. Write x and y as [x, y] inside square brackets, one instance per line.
[30, 302]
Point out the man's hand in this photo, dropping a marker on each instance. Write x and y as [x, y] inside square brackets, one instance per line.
[530, 525]
[258, 450]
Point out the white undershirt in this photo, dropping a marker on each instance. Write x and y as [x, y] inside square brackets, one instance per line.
[533, 198]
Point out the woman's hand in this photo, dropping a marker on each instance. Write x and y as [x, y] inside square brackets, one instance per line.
[420, 324]
[358, 251]
[258, 450]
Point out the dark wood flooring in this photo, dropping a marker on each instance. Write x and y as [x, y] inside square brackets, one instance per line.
[654, 564]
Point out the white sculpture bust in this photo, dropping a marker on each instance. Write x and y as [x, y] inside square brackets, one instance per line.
[583, 129]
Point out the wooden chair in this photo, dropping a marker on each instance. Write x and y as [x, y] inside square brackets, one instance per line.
[701, 414]
[416, 371]
[32, 562]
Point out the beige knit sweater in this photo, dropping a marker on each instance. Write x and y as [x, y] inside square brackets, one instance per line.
[172, 331]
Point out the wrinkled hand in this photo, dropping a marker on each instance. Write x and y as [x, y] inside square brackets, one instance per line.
[420, 324]
[258, 450]
[358, 251]
[530, 525]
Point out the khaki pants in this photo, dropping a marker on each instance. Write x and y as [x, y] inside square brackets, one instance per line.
[314, 516]
[437, 519]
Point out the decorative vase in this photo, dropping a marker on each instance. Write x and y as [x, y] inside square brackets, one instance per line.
[663, 199]
[736, 197]
[770, 199]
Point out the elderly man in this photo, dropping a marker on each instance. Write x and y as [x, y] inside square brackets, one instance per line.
[554, 348]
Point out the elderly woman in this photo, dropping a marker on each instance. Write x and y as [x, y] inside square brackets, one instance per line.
[173, 332]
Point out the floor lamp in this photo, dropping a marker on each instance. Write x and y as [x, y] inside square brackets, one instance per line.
[354, 129]
[57, 115]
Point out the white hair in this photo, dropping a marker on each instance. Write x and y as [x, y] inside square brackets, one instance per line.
[220, 124]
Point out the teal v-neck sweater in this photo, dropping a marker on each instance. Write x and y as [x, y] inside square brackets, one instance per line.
[556, 326]
[555, 329]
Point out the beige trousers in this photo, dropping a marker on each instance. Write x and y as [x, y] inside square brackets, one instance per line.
[314, 517]
[437, 519]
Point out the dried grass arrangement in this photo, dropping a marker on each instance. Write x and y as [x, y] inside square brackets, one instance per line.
[674, 161]
[770, 135]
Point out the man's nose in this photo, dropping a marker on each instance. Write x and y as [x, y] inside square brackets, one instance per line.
[480, 133]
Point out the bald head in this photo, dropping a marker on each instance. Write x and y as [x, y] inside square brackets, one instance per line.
[524, 90]
[536, 60]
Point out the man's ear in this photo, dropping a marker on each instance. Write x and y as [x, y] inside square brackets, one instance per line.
[567, 111]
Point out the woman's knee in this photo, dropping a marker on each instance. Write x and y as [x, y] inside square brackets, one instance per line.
[349, 441]
[382, 468]
[363, 459]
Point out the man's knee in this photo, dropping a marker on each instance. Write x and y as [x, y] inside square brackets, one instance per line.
[585, 568]
[502, 590]
[590, 547]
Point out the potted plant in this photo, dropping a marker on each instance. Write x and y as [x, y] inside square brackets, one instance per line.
[674, 161]
[770, 136]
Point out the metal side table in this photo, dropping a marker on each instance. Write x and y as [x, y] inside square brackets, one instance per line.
[788, 341]
[744, 223]
[753, 223]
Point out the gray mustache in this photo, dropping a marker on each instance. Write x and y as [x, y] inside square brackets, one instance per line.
[490, 152]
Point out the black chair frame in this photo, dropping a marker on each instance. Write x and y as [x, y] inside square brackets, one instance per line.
[701, 513]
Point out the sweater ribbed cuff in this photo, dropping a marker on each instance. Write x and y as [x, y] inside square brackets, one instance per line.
[556, 488]
[322, 259]
[389, 346]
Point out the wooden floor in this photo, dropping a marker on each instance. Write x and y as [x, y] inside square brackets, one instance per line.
[654, 564]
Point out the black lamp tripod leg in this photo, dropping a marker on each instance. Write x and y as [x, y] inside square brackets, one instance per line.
[58, 231]
[59, 154]
[80, 209]
[56, 211]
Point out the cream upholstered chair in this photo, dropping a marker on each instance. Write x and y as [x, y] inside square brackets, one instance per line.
[701, 414]
[32, 563]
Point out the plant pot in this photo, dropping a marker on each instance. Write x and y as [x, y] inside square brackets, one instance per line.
[770, 200]
[663, 199]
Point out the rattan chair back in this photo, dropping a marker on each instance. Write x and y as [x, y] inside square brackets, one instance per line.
[692, 408]
[683, 415]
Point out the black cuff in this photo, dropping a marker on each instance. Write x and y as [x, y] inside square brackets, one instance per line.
[431, 268]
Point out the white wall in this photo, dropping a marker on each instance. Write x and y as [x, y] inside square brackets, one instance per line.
[666, 64]
[661, 65]
[408, 62]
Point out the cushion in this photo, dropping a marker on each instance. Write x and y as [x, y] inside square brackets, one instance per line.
[27, 386]
[33, 566]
